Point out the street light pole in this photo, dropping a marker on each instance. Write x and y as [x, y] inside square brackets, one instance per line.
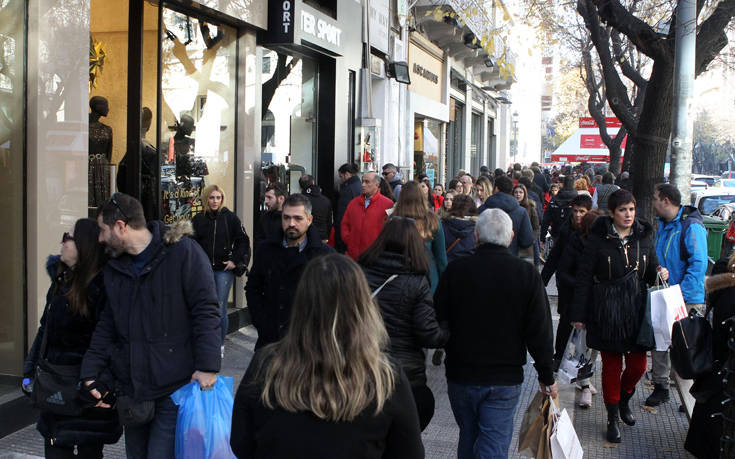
[515, 135]
[681, 133]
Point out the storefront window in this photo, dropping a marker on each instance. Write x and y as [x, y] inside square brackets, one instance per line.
[11, 188]
[455, 139]
[289, 102]
[108, 79]
[198, 80]
[476, 156]
[427, 148]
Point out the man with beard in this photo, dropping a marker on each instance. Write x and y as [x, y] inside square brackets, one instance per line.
[161, 326]
[277, 267]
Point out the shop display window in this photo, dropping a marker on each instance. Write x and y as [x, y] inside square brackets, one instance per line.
[289, 123]
[197, 138]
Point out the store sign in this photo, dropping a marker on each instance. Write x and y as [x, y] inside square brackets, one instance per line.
[292, 22]
[427, 72]
[320, 29]
[610, 122]
[380, 24]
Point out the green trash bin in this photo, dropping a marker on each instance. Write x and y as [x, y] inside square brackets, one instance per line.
[716, 229]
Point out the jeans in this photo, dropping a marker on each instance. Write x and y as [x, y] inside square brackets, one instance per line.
[154, 440]
[223, 281]
[484, 415]
[660, 362]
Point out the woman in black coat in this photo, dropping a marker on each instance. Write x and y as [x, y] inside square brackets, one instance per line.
[224, 240]
[703, 438]
[74, 303]
[396, 269]
[619, 259]
[327, 389]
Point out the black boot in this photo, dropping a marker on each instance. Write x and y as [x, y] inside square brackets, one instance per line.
[660, 395]
[613, 431]
[625, 414]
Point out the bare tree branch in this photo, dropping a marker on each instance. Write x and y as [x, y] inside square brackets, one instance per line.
[642, 35]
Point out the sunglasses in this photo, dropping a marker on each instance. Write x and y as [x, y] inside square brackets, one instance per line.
[66, 237]
[386, 174]
[117, 204]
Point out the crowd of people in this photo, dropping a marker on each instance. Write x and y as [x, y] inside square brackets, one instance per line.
[347, 296]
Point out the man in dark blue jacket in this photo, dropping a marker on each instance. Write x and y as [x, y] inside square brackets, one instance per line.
[503, 199]
[349, 189]
[161, 328]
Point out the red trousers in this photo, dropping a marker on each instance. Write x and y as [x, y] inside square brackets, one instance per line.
[612, 367]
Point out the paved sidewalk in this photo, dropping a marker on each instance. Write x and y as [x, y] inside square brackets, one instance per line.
[656, 435]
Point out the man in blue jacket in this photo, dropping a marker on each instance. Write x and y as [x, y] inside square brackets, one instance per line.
[681, 247]
[161, 328]
[503, 199]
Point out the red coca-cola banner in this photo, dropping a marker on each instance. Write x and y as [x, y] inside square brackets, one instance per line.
[610, 122]
[581, 158]
[595, 141]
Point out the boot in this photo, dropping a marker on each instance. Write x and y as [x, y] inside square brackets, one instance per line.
[625, 414]
[613, 431]
[660, 395]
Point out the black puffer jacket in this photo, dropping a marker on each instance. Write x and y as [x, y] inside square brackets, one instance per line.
[606, 258]
[557, 212]
[222, 237]
[462, 229]
[408, 313]
[272, 283]
[68, 338]
[161, 325]
[564, 260]
[321, 209]
[349, 190]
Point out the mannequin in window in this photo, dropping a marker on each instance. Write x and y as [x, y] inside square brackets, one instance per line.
[100, 152]
[183, 146]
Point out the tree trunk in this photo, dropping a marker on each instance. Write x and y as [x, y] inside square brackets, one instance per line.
[614, 159]
[652, 137]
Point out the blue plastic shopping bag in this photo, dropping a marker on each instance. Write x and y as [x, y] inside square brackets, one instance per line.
[204, 420]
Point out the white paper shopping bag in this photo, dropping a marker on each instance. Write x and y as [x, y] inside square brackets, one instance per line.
[564, 441]
[667, 306]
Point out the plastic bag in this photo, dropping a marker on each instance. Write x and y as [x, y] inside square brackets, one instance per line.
[204, 421]
[576, 362]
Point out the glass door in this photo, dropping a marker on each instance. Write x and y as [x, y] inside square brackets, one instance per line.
[198, 77]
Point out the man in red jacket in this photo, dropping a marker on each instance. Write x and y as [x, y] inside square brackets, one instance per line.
[365, 216]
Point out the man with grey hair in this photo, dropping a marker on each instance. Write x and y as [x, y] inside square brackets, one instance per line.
[490, 335]
[365, 215]
[277, 267]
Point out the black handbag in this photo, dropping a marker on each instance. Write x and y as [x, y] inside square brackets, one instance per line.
[56, 387]
[616, 314]
[133, 413]
[691, 346]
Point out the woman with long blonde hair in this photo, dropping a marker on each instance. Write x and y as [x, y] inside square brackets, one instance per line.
[327, 389]
[414, 205]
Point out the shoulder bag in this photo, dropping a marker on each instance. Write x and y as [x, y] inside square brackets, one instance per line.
[56, 387]
[240, 267]
[691, 346]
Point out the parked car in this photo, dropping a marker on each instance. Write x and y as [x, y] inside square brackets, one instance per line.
[698, 185]
[707, 200]
[708, 179]
[725, 183]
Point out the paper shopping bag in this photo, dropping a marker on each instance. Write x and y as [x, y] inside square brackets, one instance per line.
[551, 414]
[532, 427]
[564, 441]
[576, 363]
[667, 306]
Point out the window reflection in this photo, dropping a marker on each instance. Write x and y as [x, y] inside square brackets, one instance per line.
[197, 148]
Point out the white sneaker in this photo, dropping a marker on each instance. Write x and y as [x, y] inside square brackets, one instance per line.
[222, 351]
[585, 398]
